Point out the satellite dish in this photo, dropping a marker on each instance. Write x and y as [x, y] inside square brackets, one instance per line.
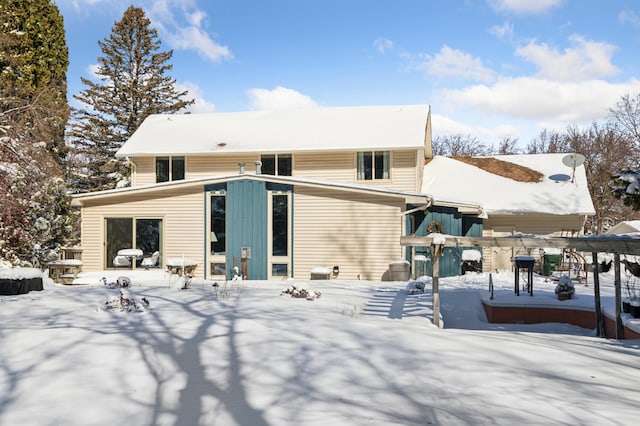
[573, 161]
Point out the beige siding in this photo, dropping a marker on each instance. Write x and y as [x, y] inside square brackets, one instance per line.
[358, 233]
[326, 165]
[404, 174]
[536, 223]
[531, 223]
[342, 166]
[144, 171]
[406, 167]
[210, 165]
[183, 225]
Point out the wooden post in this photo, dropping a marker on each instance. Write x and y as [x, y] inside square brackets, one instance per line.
[413, 262]
[617, 283]
[436, 251]
[600, 332]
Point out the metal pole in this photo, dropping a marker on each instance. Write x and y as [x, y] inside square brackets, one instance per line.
[600, 332]
[435, 275]
[617, 282]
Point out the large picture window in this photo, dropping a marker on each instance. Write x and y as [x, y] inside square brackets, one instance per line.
[169, 168]
[129, 232]
[373, 165]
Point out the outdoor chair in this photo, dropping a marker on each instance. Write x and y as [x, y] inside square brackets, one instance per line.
[151, 261]
[121, 261]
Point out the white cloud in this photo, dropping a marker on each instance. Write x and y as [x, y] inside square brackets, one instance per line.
[456, 63]
[488, 132]
[381, 44]
[630, 17]
[278, 99]
[93, 69]
[193, 38]
[183, 28]
[583, 61]
[524, 7]
[540, 99]
[194, 92]
[446, 126]
[502, 31]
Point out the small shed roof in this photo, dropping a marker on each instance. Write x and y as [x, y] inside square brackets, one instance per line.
[554, 193]
[625, 227]
[313, 129]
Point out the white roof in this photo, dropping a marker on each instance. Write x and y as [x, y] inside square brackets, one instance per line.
[625, 227]
[447, 178]
[314, 129]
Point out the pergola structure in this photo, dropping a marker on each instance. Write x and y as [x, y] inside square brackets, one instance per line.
[616, 244]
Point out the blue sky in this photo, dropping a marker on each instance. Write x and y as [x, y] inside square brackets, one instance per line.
[488, 68]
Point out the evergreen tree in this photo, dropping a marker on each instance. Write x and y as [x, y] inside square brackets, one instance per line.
[132, 85]
[34, 219]
[33, 62]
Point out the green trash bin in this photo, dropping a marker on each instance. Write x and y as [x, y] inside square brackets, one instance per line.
[551, 263]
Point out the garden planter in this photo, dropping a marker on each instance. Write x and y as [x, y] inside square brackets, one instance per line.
[564, 296]
[626, 307]
[634, 310]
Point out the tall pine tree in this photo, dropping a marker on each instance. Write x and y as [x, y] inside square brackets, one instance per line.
[33, 62]
[34, 219]
[132, 84]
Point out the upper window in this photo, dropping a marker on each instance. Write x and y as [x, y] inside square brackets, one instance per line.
[276, 164]
[373, 165]
[169, 168]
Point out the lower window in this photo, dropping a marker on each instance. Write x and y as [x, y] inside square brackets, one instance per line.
[129, 232]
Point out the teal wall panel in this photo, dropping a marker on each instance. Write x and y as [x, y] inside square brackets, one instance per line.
[453, 223]
[247, 225]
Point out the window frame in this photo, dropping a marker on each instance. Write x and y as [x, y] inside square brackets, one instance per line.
[172, 161]
[277, 262]
[374, 157]
[277, 167]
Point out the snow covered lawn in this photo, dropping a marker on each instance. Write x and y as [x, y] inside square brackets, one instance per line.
[246, 354]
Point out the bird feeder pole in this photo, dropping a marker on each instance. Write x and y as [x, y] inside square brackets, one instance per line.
[436, 250]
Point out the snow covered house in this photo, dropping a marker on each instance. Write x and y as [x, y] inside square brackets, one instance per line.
[523, 194]
[324, 191]
[288, 191]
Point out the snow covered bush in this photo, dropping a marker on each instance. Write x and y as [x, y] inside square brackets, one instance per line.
[124, 302]
[564, 288]
[301, 292]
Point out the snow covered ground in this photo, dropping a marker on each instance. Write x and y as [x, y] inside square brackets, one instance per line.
[363, 353]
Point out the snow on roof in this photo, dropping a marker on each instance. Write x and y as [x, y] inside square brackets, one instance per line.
[625, 227]
[314, 129]
[447, 178]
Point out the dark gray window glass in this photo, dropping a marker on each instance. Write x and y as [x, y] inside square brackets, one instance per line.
[162, 169]
[177, 168]
[280, 246]
[268, 164]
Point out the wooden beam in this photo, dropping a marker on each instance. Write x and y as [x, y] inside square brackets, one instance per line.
[610, 244]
